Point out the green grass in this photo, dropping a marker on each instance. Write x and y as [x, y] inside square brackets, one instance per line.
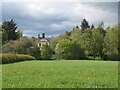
[60, 74]
[0, 77]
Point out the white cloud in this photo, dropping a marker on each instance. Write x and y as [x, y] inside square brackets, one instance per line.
[60, 0]
[73, 12]
[61, 16]
[94, 14]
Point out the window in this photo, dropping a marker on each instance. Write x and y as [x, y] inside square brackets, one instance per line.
[40, 44]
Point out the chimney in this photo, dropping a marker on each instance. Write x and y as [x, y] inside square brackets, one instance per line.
[43, 35]
[39, 36]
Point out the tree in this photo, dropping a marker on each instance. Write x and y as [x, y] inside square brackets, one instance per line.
[119, 41]
[24, 45]
[10, 30]
[111, 43]
[9, 47]
[86, 41]
[77, 27]
[84, 24]
[46, 52]
[0, 39]
[92, 26]
[69, 50]
[0, 27]
[92, 42]
[55, 40]
[4, 36]
[76, 35]
[35, 51]
[68, 33]
[101, 28]
[19, 33]
[97, 42]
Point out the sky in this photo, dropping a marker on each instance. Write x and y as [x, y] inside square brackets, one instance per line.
[54, 18]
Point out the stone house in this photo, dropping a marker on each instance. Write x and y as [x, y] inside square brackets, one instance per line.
[42, 40]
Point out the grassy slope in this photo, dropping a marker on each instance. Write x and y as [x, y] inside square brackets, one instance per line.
[60, 74]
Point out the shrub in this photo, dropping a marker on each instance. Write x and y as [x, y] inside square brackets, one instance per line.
[24, 45]
[92, 58]
[46, 52]
[69, 50]
[35, 52]
[113, 57]
[54, 57]
[10, 58]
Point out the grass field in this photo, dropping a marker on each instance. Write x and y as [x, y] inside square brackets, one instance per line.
[0, 77]
[60, 74]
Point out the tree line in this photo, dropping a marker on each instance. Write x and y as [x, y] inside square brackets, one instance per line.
[94, 41]
[80, 43]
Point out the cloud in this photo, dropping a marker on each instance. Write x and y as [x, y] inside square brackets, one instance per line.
[55, 18]
[60, 1]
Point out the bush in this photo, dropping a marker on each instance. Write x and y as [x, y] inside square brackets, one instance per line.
[113, 57]
[24, 45]
[69, 50]
[35, 52]
[46, 52]
[54, 57]
[10, 58]
[92, 58]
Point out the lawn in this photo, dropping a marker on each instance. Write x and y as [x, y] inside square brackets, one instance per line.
[60, 74]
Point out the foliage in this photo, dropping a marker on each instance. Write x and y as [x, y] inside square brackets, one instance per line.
[111, 43]
[9, 31]
[94, 41]
[4, 36]
[101, 28]
[92, 26]
[96, 58]
[86, 41]
[61, 74]
[97, 42]
[76, 35]
[84, 24]
[35, 51]
[46, 52]
[10, 58]
[54, 57]
[55, 40]
[68, 33]
[9, 47]
[24, 45]
[67, 49]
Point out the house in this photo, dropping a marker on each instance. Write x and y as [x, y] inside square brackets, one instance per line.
[42, 40]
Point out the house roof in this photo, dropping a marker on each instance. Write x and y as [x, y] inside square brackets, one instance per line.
[45, 40]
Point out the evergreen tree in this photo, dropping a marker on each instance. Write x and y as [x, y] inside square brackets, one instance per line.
[101, 28]
[92, 26]
[68, 33]
[10, 28]
[77, 27]
[84, 24]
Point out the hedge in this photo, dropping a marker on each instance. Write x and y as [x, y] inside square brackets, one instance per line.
[10, 58]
